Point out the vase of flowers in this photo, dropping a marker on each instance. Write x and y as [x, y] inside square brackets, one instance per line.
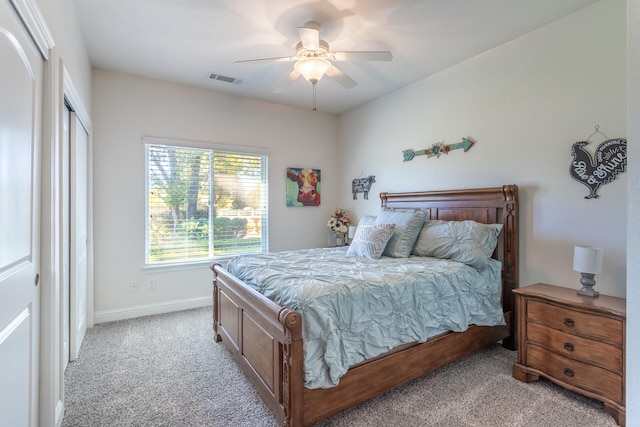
[339, 225]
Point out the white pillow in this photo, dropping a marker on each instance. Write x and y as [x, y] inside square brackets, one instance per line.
[370, 240]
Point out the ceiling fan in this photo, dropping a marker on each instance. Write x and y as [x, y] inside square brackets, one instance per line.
[314, 59]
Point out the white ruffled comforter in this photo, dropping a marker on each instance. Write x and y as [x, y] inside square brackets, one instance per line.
[356, 308]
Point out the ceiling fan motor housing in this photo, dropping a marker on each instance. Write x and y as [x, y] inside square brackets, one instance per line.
[322, 52]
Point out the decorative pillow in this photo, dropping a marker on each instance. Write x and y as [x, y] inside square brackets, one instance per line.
[370, 240]
[366, 220]
[408, 225]
[469, 242]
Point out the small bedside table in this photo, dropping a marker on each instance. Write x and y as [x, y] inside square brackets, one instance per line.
[575, 341]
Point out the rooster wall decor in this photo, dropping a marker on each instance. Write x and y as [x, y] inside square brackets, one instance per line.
[610, 159]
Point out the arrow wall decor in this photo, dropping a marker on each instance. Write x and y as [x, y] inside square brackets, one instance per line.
[437, 149]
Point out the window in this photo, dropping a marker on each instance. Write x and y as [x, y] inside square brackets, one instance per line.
[203, 202]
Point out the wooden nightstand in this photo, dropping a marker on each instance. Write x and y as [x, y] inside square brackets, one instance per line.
[575, 341]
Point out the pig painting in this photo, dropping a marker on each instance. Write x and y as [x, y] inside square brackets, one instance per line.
[306, 191]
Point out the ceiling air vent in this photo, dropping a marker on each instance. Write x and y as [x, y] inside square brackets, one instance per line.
[226, 79]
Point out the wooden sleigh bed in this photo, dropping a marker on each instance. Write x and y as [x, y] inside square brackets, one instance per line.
[266, 339]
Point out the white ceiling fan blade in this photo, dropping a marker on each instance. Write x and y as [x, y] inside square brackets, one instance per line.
[277, 59]
[310, 36]
[337, 75]
[292, 77]
[367, 55]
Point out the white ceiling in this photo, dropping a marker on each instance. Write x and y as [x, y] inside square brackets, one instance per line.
[182, 41]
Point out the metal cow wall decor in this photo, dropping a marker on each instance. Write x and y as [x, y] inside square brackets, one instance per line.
[362, 185]
[609, 161]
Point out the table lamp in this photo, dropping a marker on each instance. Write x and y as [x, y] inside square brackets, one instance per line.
[587, 260]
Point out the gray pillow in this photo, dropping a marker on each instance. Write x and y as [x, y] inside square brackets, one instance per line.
[370, 240]
[366, 220]
[469, 242]
[408, 225]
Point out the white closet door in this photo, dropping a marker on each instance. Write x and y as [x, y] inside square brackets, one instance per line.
[20, 146]
[66, 248]
[78, 227]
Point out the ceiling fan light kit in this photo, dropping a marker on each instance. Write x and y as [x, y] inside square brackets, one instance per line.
[314, 60]
[312, 69]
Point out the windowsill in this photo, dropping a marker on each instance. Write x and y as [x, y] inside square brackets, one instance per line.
[191, 265]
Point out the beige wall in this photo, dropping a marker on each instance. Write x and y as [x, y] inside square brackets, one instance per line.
[126, 108]
[525, 103]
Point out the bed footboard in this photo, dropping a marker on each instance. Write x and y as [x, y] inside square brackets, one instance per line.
[266, 341]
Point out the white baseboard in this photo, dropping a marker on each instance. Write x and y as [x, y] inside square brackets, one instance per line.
[59, 413]
[147, 310]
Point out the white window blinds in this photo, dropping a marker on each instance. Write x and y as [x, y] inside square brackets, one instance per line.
[204, 203]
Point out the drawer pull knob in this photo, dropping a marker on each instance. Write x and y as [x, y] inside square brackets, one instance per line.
[568, 372]
[568, 346]
[569, 322]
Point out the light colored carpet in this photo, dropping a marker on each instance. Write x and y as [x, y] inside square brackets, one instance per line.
[165, 370]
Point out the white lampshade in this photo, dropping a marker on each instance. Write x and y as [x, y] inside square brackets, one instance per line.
[587, 259]
[352, 231]
[312, 69]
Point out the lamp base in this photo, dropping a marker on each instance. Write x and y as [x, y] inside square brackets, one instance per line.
[588, 282]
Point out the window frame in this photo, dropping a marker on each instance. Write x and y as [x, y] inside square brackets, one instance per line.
[170, 142]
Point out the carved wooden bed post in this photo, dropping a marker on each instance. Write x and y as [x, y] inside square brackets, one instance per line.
[216, 314]
[292, 367]
[510, 262]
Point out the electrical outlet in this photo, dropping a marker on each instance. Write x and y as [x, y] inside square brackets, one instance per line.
[134, 287]
[151, 284]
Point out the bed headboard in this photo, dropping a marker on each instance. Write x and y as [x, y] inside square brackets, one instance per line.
[486, 205]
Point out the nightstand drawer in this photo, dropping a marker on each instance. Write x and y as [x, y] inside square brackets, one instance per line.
[578, 374]
[589, 351]
[576, 322]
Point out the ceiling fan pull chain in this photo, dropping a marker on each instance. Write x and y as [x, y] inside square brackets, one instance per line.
[314, 97]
